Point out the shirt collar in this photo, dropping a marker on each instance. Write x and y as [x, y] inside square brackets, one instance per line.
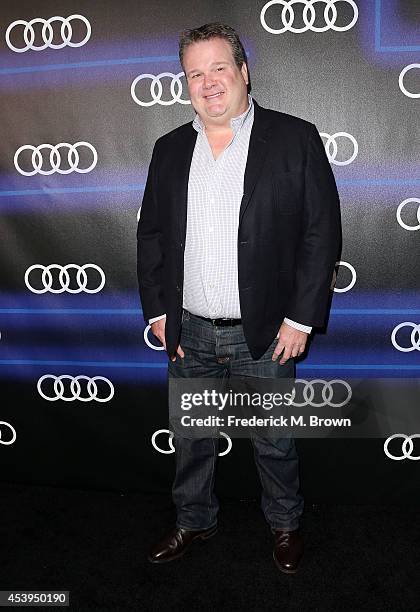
[236, 123]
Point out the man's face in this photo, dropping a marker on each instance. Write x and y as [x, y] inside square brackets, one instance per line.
[217, 87]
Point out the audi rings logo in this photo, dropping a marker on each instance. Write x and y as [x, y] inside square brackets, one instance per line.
[407, 447]
[335, 393]
[86, 392]
[47, 33]
[331, 147]
[156, 89]
[55, 159]
[7, 429]
[414, 337]
[351, 284]
[410, 228]
[403, 72]
[147, 341]
[64, 280]
[308, 15]
[171, 448]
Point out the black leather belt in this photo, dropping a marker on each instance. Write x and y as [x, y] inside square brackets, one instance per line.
[221, 322]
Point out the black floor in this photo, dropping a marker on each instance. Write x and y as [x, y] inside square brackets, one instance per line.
[94, 544]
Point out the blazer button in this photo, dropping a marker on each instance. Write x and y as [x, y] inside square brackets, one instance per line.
[178, 288]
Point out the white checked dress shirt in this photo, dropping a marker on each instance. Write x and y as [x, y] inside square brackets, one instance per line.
[215, 190]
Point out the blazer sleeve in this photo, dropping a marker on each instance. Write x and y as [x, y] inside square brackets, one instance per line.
[149, 246]
[320, 238]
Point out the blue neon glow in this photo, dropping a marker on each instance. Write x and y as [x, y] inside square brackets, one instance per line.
[392, 11]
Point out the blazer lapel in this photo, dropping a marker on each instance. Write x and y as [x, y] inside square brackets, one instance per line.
[257, 152]
[181, 172]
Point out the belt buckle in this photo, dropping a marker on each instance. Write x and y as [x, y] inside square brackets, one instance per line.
[224, 322]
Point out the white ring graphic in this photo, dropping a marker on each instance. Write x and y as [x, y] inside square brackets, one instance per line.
[327, 393]
[12, 429]
[288, 16]
[171, 445]
[64, 278]
[147, 341]
[75, 388]
[176, 89]
[347, 265]
[331, 142]
[229, 444]
[410, 228]
[54, 158]
[408, 441]
[415, 343]
[404, 90]
[48, 33]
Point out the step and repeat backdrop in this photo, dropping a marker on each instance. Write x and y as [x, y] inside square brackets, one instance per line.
[86, 89]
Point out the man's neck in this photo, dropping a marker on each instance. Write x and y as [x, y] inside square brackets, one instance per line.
[214, 126]
[217, 129]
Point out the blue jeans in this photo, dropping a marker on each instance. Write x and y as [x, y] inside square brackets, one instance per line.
[219, 352]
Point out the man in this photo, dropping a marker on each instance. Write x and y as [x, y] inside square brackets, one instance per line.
[233, 286]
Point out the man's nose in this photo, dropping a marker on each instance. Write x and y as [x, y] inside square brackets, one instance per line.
[208, 82]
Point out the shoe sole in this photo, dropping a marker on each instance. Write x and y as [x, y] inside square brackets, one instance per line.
[282, 569]
[201, 538]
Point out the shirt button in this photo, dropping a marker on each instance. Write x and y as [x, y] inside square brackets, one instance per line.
[210, 230]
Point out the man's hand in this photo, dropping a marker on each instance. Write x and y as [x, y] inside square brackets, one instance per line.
[158, 330]
[291, 341]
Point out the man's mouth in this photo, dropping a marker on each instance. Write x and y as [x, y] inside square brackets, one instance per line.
[214, 96]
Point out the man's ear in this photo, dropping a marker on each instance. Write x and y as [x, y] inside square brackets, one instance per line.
[244, 72]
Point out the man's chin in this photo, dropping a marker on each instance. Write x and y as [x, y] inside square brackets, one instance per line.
[215, 111]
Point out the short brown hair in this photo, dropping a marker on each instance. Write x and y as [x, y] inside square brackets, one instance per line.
[214, 30]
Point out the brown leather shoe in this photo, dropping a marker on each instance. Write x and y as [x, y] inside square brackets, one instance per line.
[176, 542]
[288, 550]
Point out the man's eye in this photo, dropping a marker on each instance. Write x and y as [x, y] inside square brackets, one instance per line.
[221, 68]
